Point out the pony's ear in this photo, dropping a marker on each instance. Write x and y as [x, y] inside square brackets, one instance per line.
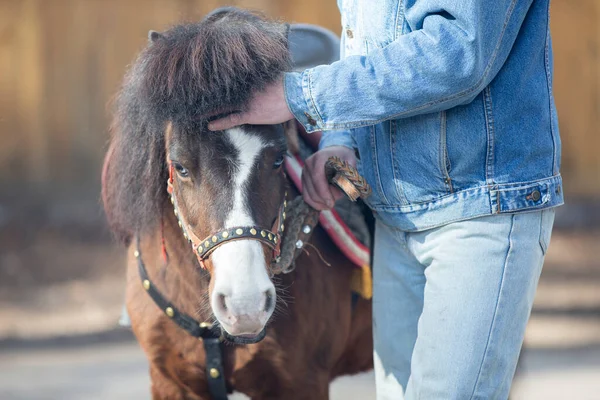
[153, 36]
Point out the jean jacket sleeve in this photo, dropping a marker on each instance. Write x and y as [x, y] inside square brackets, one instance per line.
[455, 49]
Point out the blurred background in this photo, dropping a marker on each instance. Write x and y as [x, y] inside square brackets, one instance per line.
[62, 276]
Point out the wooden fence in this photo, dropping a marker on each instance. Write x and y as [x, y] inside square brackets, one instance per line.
[62, 60]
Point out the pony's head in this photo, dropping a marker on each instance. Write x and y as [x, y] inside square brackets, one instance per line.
[218, 180]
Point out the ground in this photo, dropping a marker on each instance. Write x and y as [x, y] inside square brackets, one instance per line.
[118, 371]
[60, 298]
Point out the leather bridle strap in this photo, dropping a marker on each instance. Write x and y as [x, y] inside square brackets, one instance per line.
[204, 247]
[210, 243]
[211, 338]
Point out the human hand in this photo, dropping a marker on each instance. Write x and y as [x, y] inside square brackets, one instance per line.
[265, 108]
[317, 191]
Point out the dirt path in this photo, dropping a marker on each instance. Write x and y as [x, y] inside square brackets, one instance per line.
[54, 288]
[119, 372]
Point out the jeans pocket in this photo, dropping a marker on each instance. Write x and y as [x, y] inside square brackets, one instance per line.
[546, 223]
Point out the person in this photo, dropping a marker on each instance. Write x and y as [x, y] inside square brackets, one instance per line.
[446, 108]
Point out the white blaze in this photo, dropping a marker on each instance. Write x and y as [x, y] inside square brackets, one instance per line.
[240, 269]
[249, 148]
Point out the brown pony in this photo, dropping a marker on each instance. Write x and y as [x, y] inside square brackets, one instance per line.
[221, 183]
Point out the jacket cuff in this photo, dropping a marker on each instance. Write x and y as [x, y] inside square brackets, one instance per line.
[299, 100]
[337, 138]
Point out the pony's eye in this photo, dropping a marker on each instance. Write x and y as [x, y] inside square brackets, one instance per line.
[181, 170]
[278, 162]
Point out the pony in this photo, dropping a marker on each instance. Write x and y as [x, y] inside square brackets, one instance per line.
[168, 182]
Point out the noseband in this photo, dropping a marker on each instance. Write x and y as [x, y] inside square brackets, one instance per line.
[204, 247]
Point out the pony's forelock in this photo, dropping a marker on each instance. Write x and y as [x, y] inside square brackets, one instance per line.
[184, 75]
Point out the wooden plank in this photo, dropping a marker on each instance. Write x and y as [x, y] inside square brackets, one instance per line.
[29, 79]
[319, 12]
[576, 42]
[10, 150]
[61, 61]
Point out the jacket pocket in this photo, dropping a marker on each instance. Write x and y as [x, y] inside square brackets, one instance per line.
[445, 165]
[368, 165]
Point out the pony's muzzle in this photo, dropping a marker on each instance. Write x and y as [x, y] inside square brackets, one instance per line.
[243, 296]
[244, 315]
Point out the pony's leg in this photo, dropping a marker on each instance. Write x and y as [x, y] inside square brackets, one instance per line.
[306, 384]
[164, 388]
[358, 354]
[306, 391]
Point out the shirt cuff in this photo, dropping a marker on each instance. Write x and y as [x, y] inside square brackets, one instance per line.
[300, 102]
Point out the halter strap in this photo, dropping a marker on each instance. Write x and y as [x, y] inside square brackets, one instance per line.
[211, 338]
[211, 242]
[195, 328]
[204, 247]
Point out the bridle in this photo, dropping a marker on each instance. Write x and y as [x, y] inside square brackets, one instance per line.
[204, 247]
[212, 339]
[303, 220]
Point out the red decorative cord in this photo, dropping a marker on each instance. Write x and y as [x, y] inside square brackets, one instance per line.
[162, 240]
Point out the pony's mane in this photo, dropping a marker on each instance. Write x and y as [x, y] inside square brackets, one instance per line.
[185, 75]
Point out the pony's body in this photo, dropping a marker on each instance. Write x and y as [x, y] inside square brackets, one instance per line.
[219, 181]
[317, 336]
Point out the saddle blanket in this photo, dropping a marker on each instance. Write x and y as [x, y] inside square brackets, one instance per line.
[348, 224]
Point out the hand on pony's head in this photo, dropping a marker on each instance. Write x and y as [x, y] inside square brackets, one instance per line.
[267, 107]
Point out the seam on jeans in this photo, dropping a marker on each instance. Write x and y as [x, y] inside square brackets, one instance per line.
[541, 240]
[545, 220]
[487, 344]
[400, 236]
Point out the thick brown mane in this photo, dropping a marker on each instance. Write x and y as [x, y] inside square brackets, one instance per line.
[184, 75]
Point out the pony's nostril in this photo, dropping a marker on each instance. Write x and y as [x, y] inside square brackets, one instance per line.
[221, 301]
[269, 300]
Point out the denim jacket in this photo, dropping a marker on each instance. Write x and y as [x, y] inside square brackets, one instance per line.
[448, 102]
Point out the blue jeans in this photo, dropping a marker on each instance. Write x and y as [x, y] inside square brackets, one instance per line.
[451, 304]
